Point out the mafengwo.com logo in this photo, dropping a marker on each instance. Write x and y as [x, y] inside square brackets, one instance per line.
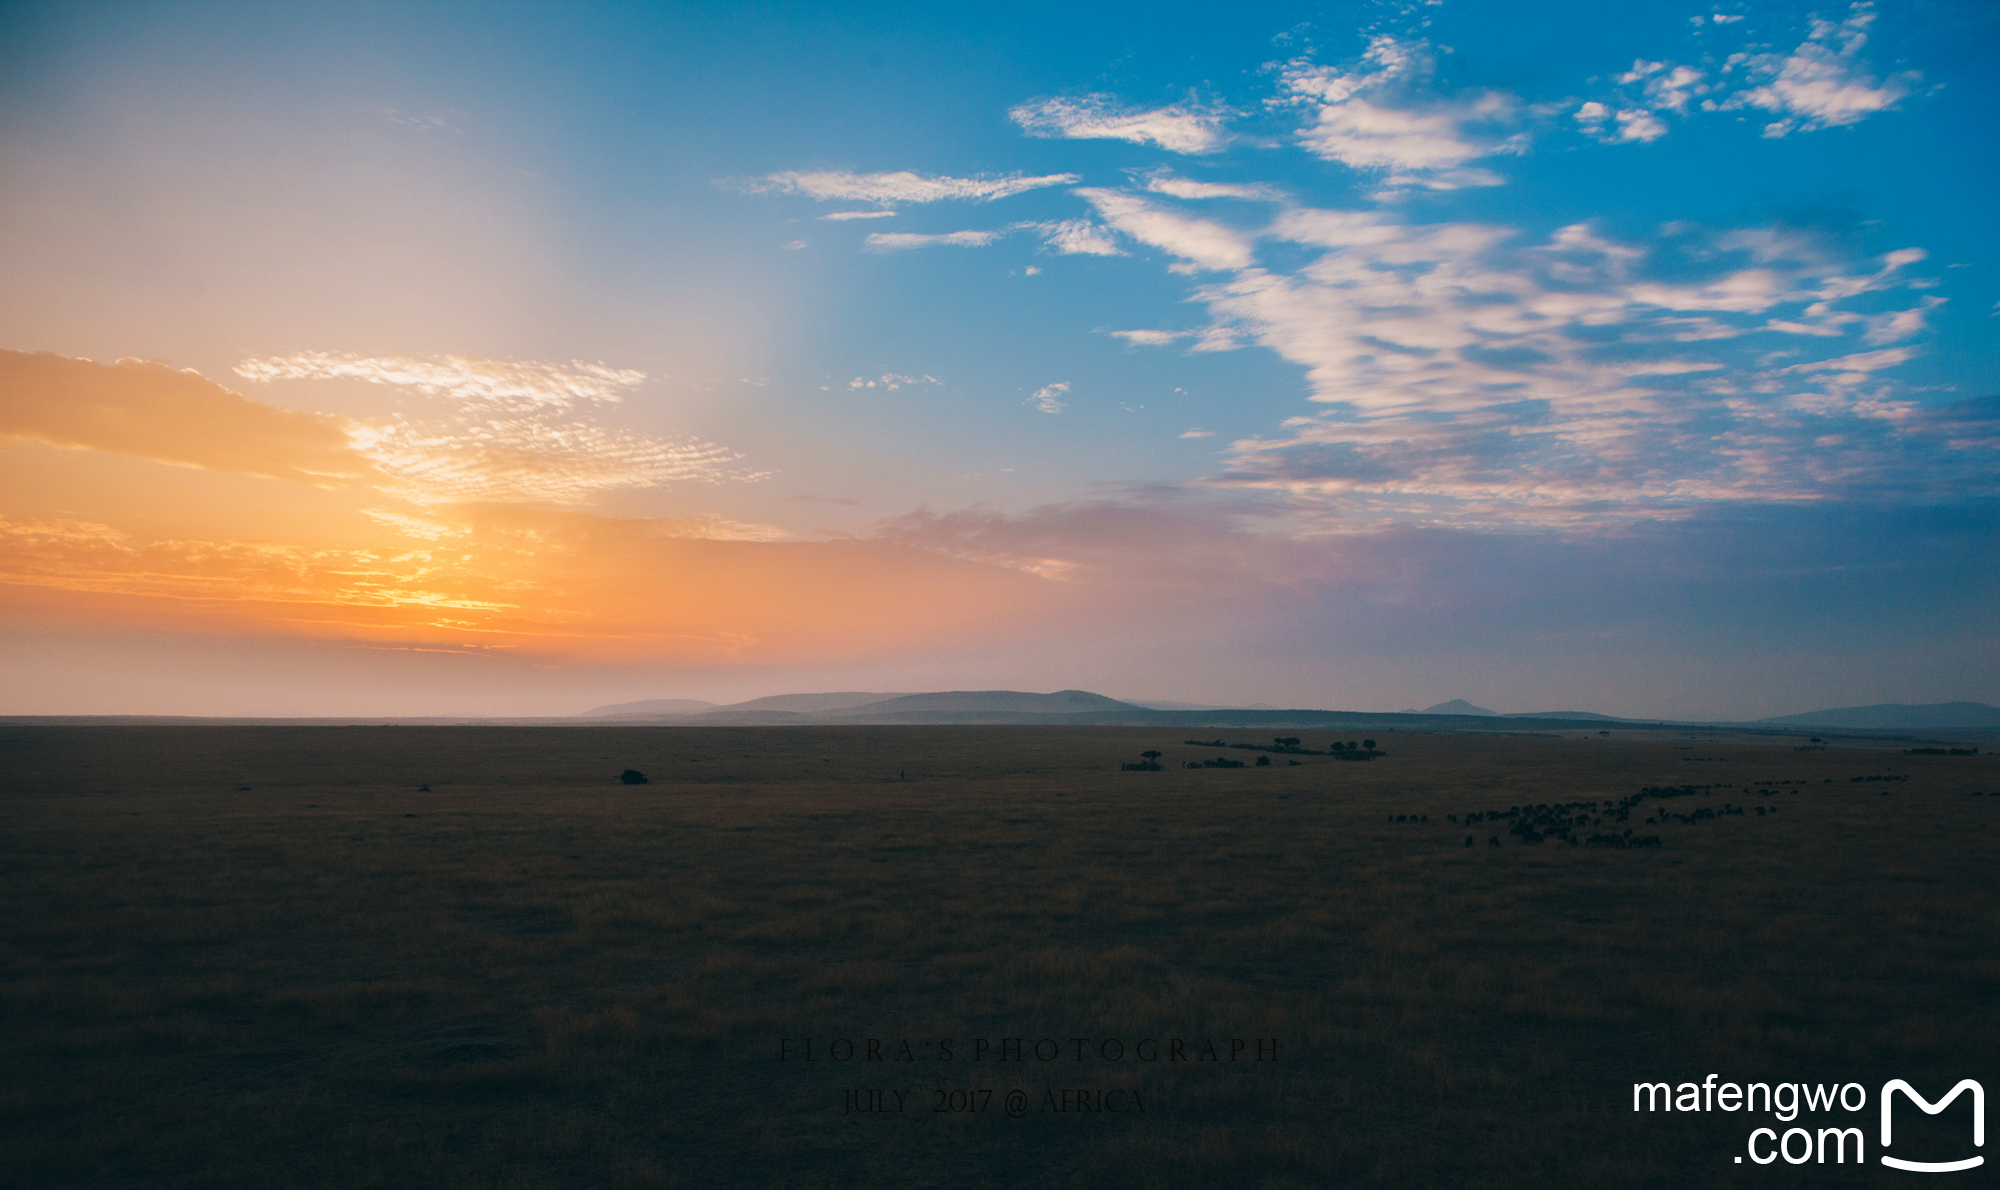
[1823, 1145]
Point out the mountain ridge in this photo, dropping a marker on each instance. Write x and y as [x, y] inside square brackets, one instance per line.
[1081, 707]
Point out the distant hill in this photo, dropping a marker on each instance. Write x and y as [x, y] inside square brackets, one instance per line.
[1062, 702]
[1456, 706]
[650, 706]
[1068, 707]
[1562, 715]
[809, 703]
[1153, 704]
[1934, 716]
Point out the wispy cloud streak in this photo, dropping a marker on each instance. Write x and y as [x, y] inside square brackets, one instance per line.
[900, 186]
[506, 384]
[508, 433]
[1178, 128]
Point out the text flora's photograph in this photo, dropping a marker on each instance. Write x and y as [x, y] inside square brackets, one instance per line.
[814, 595]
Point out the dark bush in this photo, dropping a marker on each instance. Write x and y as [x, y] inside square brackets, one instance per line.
[632, 777]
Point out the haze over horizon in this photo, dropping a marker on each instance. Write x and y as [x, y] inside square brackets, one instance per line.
[428, 360]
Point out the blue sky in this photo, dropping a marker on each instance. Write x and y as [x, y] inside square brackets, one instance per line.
[1494, 331]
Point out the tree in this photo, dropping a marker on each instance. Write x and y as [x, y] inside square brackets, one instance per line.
[1368, 744]
[1150, 755]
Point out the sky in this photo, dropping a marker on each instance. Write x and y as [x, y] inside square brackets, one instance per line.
[502, 359]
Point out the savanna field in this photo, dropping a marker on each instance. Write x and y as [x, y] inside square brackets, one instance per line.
[273, 957]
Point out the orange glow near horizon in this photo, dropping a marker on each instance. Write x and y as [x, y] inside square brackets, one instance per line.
[171, 501]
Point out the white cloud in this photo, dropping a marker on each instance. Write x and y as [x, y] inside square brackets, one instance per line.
[1149, 338]
[1897, 325]
[506, 384]
[529, 460]
[1209, 245]
[1177, 129]
[1865, 361]
[1048, 398]
[1479, 377]
[508, 435]
[1196, 432]
[1162, 183]
[1676, 88]
[1079, 237]
[1633, 124]
[900, 186]
[897, 241]
[891, 381]
[1380, 117]
[1821, 84]
[839, 216]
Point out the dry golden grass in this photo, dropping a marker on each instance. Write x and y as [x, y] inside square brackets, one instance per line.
[533, 976]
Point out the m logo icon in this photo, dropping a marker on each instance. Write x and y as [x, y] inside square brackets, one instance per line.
[1894, 1085]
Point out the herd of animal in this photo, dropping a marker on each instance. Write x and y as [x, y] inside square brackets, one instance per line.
[1568, 821]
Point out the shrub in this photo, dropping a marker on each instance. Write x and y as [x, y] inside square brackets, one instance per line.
[632, 777]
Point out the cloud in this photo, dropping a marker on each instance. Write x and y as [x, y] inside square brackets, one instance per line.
[891, 381]
[1821, 84]
[839, 216]
[1633, 124]
[1476, 376]
[523, 460]
[1079, 237]
[1865, 361]
[1666, 86]
[901, 186]
[901, 241]
[1210, 245]
[1048, 398]
[504, 384]
[1177, 129]
[1163, 183]
[1068, 236]
[1379, 117]
[506, 433]
[1196, 432]
[431, 122]
[152, 410]
[1896, 325]
[1149, 338]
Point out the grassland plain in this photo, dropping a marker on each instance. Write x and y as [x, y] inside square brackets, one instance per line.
[266, 957]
